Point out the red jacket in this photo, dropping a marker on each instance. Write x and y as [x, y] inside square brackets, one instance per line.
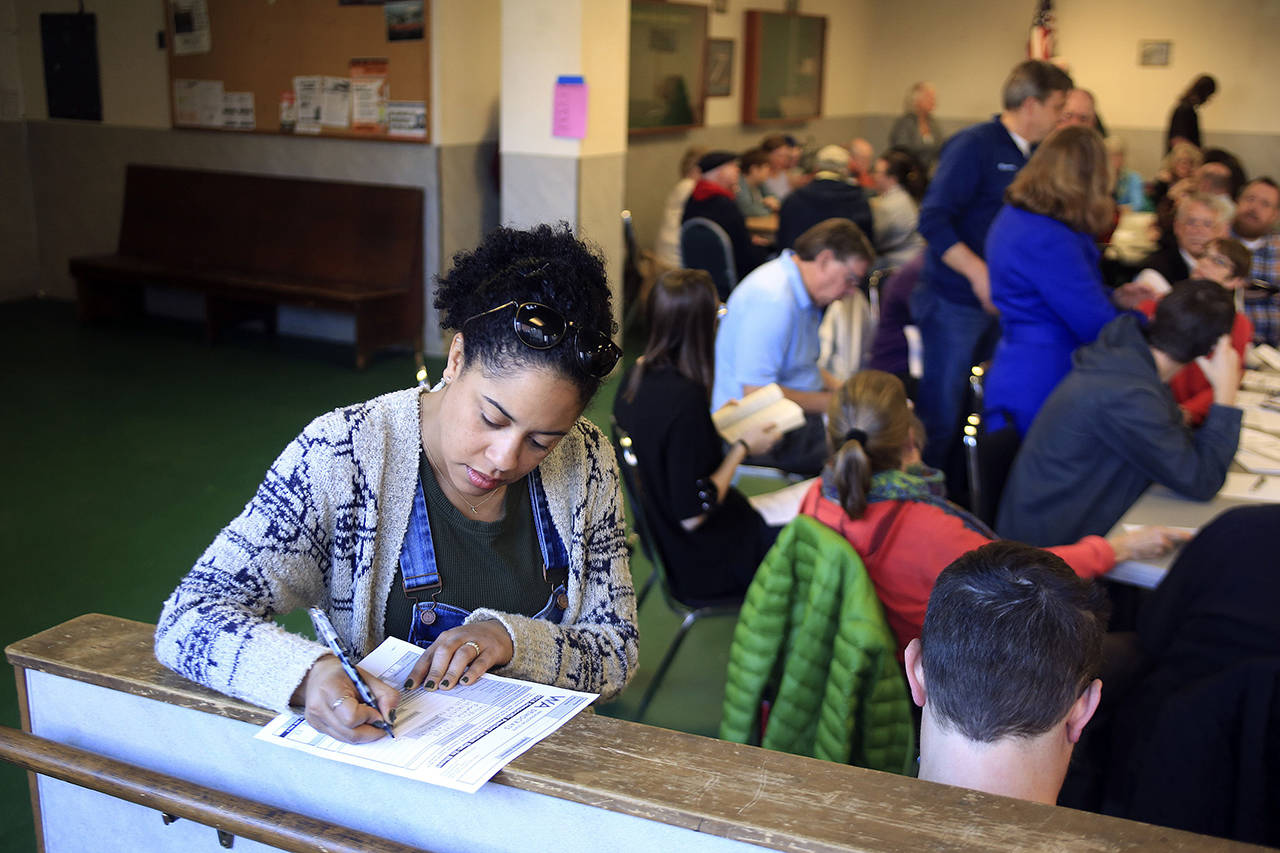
[1191, 390]
[905, 545]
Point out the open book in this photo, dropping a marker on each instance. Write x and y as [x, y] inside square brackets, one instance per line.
[763, 406]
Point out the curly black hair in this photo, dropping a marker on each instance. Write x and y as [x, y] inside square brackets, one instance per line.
[546, 264]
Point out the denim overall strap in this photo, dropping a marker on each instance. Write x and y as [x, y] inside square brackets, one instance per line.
[418, 555]
[555, 557]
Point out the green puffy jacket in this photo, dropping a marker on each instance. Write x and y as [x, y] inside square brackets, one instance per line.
[812, 615]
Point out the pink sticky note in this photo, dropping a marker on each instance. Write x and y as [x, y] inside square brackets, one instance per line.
[569, 113]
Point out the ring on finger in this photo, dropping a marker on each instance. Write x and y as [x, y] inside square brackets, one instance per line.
[336, 702]
[473, 644]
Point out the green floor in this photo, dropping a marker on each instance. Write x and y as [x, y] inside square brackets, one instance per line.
[126, 448]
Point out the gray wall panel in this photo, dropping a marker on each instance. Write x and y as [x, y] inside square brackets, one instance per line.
[601, 180]
[539, 188]
[19, 257]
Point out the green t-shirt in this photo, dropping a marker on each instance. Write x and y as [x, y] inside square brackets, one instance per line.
[493, 564]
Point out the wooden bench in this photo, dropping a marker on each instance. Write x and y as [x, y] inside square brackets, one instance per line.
[250, 243]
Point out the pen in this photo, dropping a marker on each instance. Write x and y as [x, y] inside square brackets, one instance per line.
[326, 634]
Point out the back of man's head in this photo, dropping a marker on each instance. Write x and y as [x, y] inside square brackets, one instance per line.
[841, 236]
[1190, 320]
[1033, 78]
[1011, 640]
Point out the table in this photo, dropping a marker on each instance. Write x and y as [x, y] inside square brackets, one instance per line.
[1162, 506]
[596, 784]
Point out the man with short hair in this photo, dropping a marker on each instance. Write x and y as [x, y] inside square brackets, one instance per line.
[952, 305]
[1198, 220]
[770, 333]
[828, 195]
[713, 198]
[1257, 215]
[1081, 108]
[862, 156]
[1112, 427]
[1006, 671]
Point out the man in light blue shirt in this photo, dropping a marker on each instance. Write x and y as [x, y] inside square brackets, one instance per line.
[770, 333]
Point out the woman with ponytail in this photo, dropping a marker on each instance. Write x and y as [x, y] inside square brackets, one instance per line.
[877, 493]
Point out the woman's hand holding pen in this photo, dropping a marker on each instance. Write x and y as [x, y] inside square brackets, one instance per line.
[333, 708]
[463, 654]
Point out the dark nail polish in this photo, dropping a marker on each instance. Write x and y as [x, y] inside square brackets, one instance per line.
[391, 715]
[444, 683]
[462, 680]
[429, 684]
[408, 684]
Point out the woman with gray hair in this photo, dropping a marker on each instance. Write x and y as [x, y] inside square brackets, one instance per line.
[916, 131]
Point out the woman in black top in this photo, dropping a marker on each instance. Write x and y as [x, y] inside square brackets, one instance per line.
[1184, 123]
[710, 537]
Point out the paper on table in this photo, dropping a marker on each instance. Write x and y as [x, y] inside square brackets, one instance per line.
[1138, 573]
[1256, 380]
[457, 738]
[1250, 399]
[781, 505]
[1257, 441]
[1263, 419]
[1256, 463]
[1251, 487]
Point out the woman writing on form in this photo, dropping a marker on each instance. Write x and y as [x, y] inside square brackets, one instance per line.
[481, 520]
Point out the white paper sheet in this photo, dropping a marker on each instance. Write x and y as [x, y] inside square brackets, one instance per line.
[781, 505]
[336, 111]
[306, 91]
[190, 27]
[1252, 487]
[1257, 380]
[457, 738]
[237, 111]
[197, 103]
[407, 118]
[1263, 419]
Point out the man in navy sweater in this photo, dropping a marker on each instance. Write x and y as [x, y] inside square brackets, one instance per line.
[952, 305]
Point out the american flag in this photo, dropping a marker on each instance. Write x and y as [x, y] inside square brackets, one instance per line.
[1040, 41]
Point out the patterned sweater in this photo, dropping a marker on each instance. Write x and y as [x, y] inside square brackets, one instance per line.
[325, 529]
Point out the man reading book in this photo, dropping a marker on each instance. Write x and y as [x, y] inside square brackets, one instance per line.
[770, 333]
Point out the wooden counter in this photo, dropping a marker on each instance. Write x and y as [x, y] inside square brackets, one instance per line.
[598, 783]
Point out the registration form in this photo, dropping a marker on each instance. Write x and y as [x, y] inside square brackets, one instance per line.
[457, 738]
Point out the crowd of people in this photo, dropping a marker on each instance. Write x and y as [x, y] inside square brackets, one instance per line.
[1108, 375]
[988, 243]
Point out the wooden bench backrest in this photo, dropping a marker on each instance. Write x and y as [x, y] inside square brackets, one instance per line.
[342, 233]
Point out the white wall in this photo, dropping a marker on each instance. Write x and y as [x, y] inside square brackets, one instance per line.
[967, 48]
[849, 40]
[134, 70]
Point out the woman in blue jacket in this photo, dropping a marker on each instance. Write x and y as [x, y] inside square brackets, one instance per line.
[1045, 279]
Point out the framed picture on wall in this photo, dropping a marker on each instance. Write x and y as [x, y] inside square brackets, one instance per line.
[719, 67]
[1154, 52]
[783, 58]
[666, 90]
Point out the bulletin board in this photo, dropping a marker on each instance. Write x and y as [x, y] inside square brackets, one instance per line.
[234, 64]
[782, 67]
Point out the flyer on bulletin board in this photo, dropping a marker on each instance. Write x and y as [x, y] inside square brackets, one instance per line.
[369, 95]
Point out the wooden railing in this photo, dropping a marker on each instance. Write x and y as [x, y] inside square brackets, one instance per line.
[177, 798]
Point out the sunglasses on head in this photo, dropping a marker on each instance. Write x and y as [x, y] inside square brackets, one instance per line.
[539, 326]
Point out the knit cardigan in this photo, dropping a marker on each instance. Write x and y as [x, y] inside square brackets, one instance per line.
[811, 614]
[325, 529]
